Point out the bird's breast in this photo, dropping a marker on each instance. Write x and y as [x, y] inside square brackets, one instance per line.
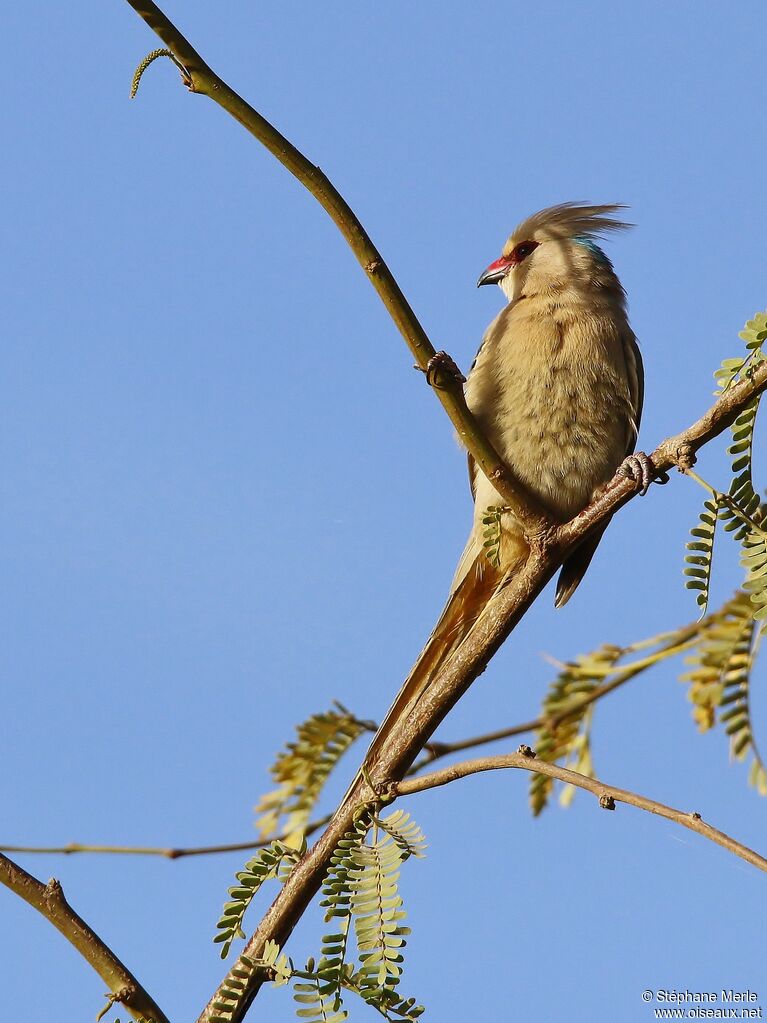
[552, 392]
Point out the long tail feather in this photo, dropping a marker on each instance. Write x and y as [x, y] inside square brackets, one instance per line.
[461, 612]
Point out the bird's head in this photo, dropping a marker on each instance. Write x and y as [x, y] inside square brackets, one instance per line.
[554, 248]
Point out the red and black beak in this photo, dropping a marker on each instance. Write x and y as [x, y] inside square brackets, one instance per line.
[496, 271]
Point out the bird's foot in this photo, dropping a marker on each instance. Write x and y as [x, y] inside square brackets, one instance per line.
[441, 370]
[639, 468]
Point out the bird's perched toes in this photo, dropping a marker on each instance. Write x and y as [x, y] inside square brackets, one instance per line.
[442, 369]
[639, 468]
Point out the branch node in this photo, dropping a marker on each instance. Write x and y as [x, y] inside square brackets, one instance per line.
[685, 456]
[526, 751]
[373, 266]
[606, 801]
[123, 996]
[696, 816]
[382, 793]
[53, 891]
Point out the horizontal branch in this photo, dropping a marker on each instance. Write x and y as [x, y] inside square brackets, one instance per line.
[49, 900]
[167, 852]
[607, 795]
[201, 79]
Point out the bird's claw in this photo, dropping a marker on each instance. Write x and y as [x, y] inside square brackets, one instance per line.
[440, 369]
[639, 468]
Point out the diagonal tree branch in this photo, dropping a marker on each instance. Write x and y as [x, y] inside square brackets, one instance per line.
[200, 78]
[608, 795]
[49, 900]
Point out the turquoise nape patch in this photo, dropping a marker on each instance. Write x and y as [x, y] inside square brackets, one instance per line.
[591, 245]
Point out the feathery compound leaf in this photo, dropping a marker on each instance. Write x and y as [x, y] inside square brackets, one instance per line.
[741, 496]
[700, 552]
[262, 867]
[732, 370]
[742, 484]
[491, 520]
[302, 769]
[565, 731]
[361, 893]
[579, 758]
[404, 832]
[754, 560]
[233, 990]
[755, 331]
[317, 1002]
[720, 680]
[274, 963]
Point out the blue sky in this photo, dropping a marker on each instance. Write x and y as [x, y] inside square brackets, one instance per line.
[227, 498]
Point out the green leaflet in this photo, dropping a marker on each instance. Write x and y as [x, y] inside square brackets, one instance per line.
[742, 484]
[720, 679]
[361, 897]
[274, 963]
[302, 769]
[700, 551]
[566, 728]
[721, 650]
[316, 999]
[741, 503]
[754, 561]
[491, 520]
[264, 866]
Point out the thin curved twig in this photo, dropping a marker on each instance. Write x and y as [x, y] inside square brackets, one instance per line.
[167, 852]
[608, 795]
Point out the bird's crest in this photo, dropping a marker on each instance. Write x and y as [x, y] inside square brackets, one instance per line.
[571, 220]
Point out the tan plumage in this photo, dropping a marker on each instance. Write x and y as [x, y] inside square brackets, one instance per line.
[557, 385]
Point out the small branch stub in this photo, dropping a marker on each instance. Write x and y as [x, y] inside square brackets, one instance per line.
[606, 801]
[685, 457]
[114, 997]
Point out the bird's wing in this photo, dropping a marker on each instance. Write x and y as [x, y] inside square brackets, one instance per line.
[462, 610]
[635, 377]
[574, 569]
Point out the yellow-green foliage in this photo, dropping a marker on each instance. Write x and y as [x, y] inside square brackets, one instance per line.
[564, 734]
[302, 769]
[264, 866]
[720, 678]
[361, 896]
[740, 508]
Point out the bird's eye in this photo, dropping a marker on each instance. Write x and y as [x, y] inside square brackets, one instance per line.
[523, 250]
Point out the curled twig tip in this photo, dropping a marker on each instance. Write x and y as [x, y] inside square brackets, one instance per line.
[150, 57]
